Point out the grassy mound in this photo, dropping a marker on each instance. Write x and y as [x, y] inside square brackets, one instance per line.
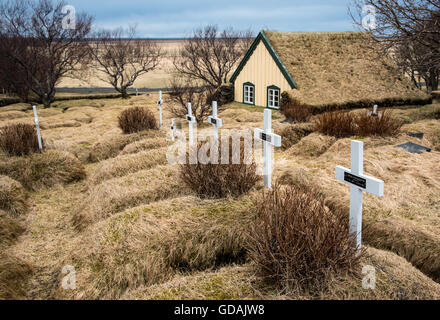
[13, 275]
[13, 197]
[43, 169]
[9, 229]
[137, 119]
[111, 146]
[409, 239]
[145, 145]
[126, 164]
[149, 244]
[294, 133]
[227, 283]
[116, 195]
[396, 279]
[312, 145]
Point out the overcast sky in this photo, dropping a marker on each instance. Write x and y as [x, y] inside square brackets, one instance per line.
[176, 18]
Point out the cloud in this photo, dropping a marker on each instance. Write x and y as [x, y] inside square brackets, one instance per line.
[171, 18]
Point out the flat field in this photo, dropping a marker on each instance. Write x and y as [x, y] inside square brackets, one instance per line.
[113, 207]
[157, 78]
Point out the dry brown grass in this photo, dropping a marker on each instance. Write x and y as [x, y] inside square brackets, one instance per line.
[150, 244]
[111, 146]
[19, 139]
[118, 194]
[43, 169]
[127, 164]
[10, 229]
[292, 134]
[145, 145]
[13, 276]
[296, 112]
[312, 145]
[217, 180]
[355, 68]
[13, 197]
[409, 239]
[137, 119]
[396, 279]
[297, 242]
[342, 124]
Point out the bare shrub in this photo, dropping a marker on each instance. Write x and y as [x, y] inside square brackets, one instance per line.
[386, 125]
[184, 91]
[297, 242]
[220, 180]
[342, 124]
[338, 124]
[136, 119]
[296, 111]
[19, 139]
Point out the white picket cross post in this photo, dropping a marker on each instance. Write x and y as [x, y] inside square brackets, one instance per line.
[191, 120]
[173, 129]
[159, 105]
[358, 183]
[137, 92]
[270, 140]
[37, 125]
[215, 120]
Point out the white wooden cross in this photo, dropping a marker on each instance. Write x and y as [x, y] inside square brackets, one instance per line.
[173, 130]
[270, 140]
[375, 113]
[137, 92]
[358, 183]
[191, 120]
[37, 125]
[215, 120]
[159, 105]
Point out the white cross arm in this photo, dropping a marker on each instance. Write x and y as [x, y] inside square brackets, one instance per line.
[363, 182]
[271, 138]
[215, 121]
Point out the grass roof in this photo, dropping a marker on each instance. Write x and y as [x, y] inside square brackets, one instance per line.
[337, 68]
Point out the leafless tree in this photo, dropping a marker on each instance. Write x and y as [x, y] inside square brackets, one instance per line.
[410, 30]
[121, 59]
[183, 92]
[209, 56]
[37, 48]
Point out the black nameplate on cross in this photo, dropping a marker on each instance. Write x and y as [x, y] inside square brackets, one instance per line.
[357, 181]
[213, 121]
[188, 118]
[266, 137]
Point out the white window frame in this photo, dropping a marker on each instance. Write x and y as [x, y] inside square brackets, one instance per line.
[274, 98]
[248, 93]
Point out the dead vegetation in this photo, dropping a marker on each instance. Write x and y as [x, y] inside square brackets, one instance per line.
[10, 229]
[13, 275]
[13, 197]
[19, 139]
[43, 169]
[297, 243]
[137, 119]
[140, 233]
[343, 124]
[110, 146]
[215, 179]
[347, 78]
[151, 243]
